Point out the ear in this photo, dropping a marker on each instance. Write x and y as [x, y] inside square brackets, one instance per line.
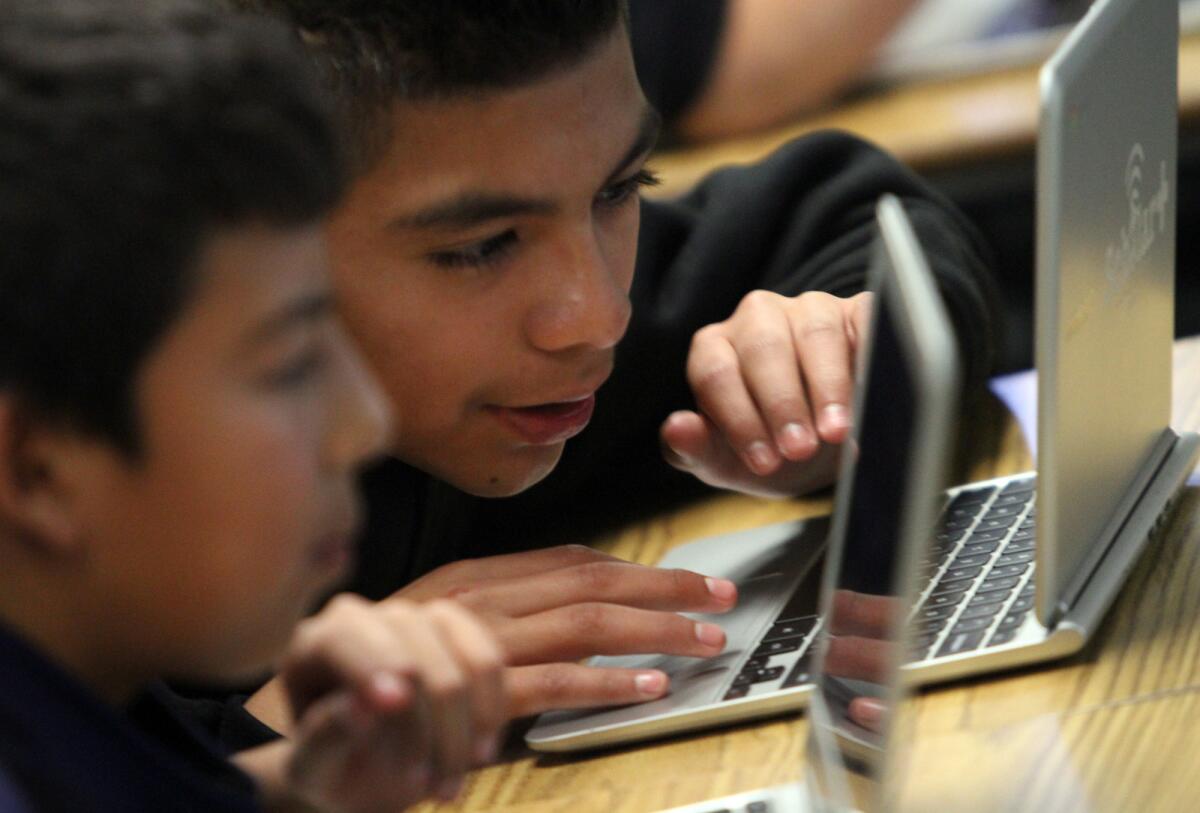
[34, 500]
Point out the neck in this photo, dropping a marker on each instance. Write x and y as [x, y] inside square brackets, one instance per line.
[48, 611]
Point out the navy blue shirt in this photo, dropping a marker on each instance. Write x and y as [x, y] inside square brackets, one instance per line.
[63, 749]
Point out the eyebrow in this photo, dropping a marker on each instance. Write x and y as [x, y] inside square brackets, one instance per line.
[474, 208]
[304, 309]
[647, 137]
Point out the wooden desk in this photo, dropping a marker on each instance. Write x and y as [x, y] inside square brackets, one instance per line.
[930, 125]
[1114, 728]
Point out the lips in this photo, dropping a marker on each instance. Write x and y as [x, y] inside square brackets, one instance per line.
[547, 424]
[334, 553]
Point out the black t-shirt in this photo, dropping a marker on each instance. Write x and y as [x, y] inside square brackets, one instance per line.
[62, 750]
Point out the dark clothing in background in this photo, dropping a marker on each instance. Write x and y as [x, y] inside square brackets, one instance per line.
[803, 220]
[675, 44]
[62, 750]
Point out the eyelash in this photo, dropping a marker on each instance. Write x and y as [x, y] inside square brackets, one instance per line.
[493, 249]
[624, 191]
[478, 254]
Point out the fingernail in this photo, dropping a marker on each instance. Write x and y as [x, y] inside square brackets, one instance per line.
[760, 456]
[449, 789]
[650, 683]
[721, 589]
[710, 635]
[836, 417]
[794, 439]
[386, 687]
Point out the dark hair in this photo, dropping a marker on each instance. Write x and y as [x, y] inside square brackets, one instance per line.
[130, 131]
[374, 53]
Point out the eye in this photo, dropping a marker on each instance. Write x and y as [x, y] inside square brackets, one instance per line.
[622, 191]
[476, 254]
[299, 371]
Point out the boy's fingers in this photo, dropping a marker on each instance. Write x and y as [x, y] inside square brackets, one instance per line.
[820, 326]
[767, 357]
[612, 582]
[872, 616]
[716, 377]
[860, 318]
[692, 443]
[346, 645]
[860, 658]
[443, 685]
[324, 739]
[479, 655]
[534, 689]
[711, 461]
[444, 581]
[583, 630]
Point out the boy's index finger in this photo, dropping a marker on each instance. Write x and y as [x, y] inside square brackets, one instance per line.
[825, 354]
[610, 582]
[346, 647]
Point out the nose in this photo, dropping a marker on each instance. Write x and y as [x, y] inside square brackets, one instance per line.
[360, 425]
[584, 298]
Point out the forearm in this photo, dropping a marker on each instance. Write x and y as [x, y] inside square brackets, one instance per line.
[778, 57]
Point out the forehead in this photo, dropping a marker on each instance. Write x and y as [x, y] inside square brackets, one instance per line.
[561, 134]
[247, 276]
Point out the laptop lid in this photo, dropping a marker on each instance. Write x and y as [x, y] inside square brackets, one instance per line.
[892, 474]
[1105, 280]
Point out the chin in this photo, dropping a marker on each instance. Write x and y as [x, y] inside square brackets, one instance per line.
[511, 479]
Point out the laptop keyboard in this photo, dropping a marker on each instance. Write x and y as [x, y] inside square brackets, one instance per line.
[979, 571]
[978, 589]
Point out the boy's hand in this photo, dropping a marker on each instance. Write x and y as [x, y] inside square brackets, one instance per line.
[393, 702]
[551, 607]
[774, 386]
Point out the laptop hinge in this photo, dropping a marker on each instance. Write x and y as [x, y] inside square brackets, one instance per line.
[1122, 515]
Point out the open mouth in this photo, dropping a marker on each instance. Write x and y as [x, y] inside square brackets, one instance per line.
[547, 424]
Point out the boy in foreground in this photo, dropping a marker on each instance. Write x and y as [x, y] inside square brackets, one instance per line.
[181, 420]
[484, 261]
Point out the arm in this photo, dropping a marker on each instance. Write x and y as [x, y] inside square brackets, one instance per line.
[773, 382]
[776, 58]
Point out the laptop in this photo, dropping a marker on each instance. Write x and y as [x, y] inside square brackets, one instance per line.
[1022, 568]
[888, 495]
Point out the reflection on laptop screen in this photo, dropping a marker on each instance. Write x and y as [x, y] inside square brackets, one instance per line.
[867, 608]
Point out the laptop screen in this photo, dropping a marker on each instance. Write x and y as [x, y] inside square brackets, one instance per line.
[866, 609]
[890, 482]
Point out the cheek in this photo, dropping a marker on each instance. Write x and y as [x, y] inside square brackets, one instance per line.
[250, 485]
[619, 235]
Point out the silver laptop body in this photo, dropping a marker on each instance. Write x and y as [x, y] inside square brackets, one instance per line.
[1109, 464]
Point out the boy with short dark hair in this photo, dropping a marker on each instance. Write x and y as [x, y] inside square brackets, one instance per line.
[492, 231]
[181, 419]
